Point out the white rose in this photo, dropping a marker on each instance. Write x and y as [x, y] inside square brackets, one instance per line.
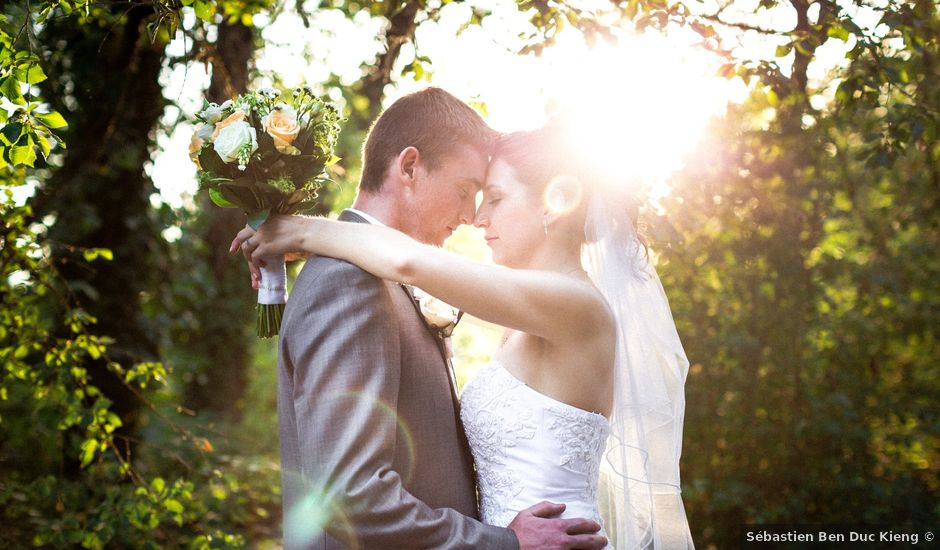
[226, 105]
[205, 131]
[232, 138]
[212, 113]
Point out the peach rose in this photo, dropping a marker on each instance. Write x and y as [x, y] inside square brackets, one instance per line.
[194, 146]
[234, 117]
[281, 125]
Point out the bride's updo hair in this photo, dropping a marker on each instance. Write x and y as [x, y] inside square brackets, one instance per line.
[548, 163]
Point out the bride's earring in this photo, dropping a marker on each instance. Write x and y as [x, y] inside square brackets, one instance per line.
[545, 225]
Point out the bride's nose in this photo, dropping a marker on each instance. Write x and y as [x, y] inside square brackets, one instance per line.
[481, 220]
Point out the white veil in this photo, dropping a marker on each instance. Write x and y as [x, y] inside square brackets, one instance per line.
[639, 492]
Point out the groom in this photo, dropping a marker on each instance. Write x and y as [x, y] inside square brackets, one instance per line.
[373, 454]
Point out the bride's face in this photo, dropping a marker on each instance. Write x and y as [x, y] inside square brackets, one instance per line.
[512, 217]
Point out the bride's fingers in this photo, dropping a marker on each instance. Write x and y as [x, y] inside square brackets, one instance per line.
[255, 275]
[246, 251]
[242, 236]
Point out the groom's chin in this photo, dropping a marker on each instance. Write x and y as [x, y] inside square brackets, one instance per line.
[438, 240]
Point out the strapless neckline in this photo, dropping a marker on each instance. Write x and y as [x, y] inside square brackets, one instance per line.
[532, 391]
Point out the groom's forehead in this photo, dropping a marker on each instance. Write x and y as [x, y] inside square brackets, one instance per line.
[470, 181]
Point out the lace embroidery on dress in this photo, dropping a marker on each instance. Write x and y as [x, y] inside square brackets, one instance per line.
[582, 436]
[492, 425]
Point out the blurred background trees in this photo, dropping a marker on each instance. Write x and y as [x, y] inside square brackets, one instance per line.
[798, 248]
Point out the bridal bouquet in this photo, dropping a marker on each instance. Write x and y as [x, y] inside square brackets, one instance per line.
[266, 154]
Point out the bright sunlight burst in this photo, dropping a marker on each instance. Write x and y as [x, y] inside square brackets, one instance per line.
[641, 104]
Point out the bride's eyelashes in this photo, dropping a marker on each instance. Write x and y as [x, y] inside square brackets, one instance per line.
[493, 202]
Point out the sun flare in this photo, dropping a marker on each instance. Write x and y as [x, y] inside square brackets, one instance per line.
[637, 107]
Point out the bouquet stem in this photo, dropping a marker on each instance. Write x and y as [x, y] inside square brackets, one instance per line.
[272, 295]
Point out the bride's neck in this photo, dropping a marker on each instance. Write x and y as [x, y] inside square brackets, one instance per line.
[558, 257]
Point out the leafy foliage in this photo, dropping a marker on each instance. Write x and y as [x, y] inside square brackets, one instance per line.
[807, 300]
[802, 271]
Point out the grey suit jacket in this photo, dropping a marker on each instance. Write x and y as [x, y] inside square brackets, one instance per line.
[372, 452]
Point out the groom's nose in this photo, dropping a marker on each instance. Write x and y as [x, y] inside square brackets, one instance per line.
[467, 212]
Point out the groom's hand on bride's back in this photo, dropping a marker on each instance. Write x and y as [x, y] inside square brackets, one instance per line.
[539, 527]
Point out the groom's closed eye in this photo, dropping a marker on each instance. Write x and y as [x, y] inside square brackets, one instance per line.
[467, 189]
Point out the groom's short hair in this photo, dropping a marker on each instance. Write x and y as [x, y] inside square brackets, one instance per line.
[433, 121]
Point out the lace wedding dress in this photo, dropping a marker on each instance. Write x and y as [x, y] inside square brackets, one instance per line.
[529, 447]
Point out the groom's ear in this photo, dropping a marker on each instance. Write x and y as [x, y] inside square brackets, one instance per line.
[406, 165]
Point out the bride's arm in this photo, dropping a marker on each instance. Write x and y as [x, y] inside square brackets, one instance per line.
[546, 304]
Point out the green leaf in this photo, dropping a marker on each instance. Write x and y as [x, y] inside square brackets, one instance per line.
[219, 200]
[173, 505]
[89, 446]
[11, 133]
[44, 146]
[210, 161]
[158, 484]
[839, 32]
[10, 88]
[204, 10]
[23, 154]
[783, 50]
[93, 254]
[255, 219]
[30, 73]
[241, 196]
[772, 98]
[114, 422]
[52, 120]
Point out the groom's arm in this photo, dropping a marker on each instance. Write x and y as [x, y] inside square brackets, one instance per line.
[344, 350]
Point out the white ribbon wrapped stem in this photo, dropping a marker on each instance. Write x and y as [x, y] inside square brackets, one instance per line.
[273, 286]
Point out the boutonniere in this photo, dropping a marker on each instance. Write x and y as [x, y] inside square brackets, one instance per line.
[439, 315]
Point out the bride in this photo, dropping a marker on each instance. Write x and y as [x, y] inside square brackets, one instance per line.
[583, 401]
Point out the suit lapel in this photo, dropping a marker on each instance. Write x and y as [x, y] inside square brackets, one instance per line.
[350, 216]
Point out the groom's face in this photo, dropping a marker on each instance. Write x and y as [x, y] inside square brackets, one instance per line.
[444, 197]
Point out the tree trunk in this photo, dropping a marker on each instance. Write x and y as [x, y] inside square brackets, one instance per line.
[100, 196]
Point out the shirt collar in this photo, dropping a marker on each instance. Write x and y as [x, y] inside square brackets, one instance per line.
[365, 216]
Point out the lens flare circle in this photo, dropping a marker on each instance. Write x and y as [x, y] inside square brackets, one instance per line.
[563, 194]
[310, 515]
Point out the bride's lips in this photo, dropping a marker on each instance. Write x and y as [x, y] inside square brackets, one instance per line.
[489, 240]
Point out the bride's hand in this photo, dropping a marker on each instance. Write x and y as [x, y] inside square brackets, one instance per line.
[279, 235]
